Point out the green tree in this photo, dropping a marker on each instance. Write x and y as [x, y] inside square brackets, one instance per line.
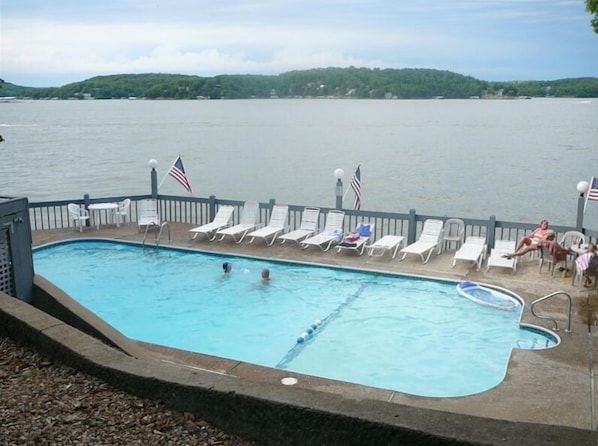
[592, 8]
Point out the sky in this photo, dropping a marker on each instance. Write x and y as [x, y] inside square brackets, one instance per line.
[52, 43]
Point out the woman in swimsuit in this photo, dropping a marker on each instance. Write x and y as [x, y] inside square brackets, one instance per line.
[532, 241]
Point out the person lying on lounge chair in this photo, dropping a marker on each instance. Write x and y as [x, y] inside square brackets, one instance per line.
[532, 241]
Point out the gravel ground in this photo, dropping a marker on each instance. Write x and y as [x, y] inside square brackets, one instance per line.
[42, 403]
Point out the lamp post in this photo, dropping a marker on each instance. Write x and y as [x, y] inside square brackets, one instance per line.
[154, 177]
[582, 188]
[338, 173]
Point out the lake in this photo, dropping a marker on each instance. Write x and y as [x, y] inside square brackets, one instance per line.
[519, 160]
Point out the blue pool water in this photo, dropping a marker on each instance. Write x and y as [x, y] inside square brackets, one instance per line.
[413, 335]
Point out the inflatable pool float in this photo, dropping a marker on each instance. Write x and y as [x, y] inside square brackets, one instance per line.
[487, 296]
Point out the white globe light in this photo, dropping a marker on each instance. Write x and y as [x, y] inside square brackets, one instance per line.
[153, 163]
[583, 187]
[338, 173]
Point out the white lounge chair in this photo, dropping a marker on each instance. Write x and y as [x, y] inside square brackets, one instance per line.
[332, 233]
[222, 220]
[277, 225]
[149, 216]
[248, 222]
[78, 214]
[497, 255]
[358, 245]
[429, 240]
[473, 250]
[308, 227]
[388, 243]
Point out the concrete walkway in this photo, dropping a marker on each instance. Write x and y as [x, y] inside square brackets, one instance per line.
[550, 387]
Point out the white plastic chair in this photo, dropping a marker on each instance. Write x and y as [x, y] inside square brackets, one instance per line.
[572, 238]
[454, 231]
[122, 212]
[79, 214]
[547, 255]
[575, 240]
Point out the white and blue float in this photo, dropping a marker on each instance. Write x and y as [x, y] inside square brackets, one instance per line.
[309, 332]
[488, 296]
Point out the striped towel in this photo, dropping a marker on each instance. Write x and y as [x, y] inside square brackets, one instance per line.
[583, 261]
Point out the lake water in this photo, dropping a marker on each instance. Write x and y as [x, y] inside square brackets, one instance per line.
[517, 159]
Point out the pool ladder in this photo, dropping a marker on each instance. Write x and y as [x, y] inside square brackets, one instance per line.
[158, 234]
[556, 324]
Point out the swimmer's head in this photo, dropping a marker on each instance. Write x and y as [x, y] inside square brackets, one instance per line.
[265, 274]
[226, 267]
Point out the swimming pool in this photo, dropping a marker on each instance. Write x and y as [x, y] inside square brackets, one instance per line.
[407, 334]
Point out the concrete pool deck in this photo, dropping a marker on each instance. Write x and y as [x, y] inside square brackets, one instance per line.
[546, 393]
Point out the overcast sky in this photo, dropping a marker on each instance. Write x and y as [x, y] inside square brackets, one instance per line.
[51, 43]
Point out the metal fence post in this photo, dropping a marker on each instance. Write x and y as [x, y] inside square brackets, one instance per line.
[582, 187]
[86, 205]
[212, 207]
[491, 232]
[411, 227]
[580, 205]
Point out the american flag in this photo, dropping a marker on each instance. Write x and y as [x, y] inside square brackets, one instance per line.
[356, 186]
[177, 171]
[593, 192]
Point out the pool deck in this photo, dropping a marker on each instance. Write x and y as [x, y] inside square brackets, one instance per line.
[550, 387]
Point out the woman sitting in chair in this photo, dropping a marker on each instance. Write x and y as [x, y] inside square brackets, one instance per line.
[532, 241]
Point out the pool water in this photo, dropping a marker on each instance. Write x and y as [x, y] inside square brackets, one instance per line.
[413, 335]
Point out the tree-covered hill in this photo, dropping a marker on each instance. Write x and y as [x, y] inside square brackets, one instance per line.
[409, 83]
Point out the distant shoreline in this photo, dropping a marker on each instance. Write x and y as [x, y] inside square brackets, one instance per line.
[352, 83]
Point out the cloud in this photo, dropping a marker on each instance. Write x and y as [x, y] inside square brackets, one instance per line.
[498, 39]
[50, 47]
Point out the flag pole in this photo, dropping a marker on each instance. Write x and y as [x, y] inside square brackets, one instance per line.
[587, 195]
[167, 173]
[346, 191]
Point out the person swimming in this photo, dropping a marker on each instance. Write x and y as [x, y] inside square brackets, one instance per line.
[265, 274]
[227, 267]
